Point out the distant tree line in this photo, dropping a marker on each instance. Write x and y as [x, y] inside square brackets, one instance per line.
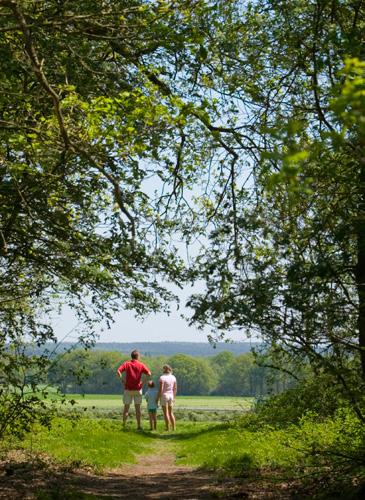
[223, 374]
[150, 349]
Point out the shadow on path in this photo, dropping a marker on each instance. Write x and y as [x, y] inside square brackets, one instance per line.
[134, 482]
[180, 484]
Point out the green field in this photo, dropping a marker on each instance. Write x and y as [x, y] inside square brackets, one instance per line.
[216, 403]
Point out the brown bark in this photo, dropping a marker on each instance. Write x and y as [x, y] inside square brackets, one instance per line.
[360, 267]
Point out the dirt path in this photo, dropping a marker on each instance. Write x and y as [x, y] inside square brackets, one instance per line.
[154, 476]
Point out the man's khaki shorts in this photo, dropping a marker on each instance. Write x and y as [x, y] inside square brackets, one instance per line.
[130, 396]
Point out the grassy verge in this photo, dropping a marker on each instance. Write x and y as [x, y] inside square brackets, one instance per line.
[317, 457]
[313, 454]
[100, 443]
[236, 450]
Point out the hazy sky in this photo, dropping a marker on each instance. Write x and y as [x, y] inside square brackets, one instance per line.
[126, 328]
[158, 327]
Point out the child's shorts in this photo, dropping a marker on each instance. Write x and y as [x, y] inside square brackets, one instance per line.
[152, 410]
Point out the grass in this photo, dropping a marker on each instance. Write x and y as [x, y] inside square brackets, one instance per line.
[100, 443]
[220, 403]
[285, 456]
[103, 443]
[314, 450]
[324, 454]
[235, 449]
[188, 408]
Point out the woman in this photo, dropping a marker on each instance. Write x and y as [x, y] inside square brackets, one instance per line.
[167, 395]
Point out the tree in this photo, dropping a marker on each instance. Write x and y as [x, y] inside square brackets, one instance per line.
[220, 362]
[286, 247]
[194, 376]
[98, 112]
[235, 380]
[89, 372]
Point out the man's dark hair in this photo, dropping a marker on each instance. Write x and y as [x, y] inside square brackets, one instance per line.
[135, 354]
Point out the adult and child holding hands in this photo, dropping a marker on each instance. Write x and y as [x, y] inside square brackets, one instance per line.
[134, 375]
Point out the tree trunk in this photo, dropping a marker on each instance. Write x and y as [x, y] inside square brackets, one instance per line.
[360, 267]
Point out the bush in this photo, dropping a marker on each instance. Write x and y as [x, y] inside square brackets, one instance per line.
[338, 442]
[324, 433]
[318, 394]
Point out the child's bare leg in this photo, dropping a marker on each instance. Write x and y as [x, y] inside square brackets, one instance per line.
[154, 419]
[166, 417]
[172, 418]
[150, 414]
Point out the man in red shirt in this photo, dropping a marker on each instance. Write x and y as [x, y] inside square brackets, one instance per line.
[134, 370]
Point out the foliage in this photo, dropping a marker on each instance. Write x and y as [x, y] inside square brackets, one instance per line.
[168, 348]
[319, 457]
[94, 372]
[242, 376]
[194, 376]
[339, 442]
[255, 109]
[100, 132]
[20, 404]
[319, 394]
[285, 255]
[86, 371]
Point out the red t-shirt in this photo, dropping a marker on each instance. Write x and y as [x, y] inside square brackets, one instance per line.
[134, 370]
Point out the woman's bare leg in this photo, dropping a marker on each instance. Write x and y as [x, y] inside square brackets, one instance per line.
[166, 417]
[172, 418]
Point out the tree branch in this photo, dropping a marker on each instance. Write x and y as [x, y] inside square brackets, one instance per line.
[37, 66]
[116, 187]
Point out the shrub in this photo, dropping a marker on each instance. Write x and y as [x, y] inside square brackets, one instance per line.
[318, 394]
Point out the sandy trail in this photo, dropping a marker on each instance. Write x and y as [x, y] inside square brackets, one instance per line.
[153, 476]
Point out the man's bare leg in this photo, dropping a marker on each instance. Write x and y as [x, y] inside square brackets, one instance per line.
[138, 415]
[125, 413]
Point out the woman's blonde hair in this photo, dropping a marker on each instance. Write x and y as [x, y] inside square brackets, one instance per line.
[167, 369]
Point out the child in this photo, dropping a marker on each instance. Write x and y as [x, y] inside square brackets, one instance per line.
[167, 395]
[151, 398]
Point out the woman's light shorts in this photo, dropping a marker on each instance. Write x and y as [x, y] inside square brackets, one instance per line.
[167, 399]
[130, 396]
